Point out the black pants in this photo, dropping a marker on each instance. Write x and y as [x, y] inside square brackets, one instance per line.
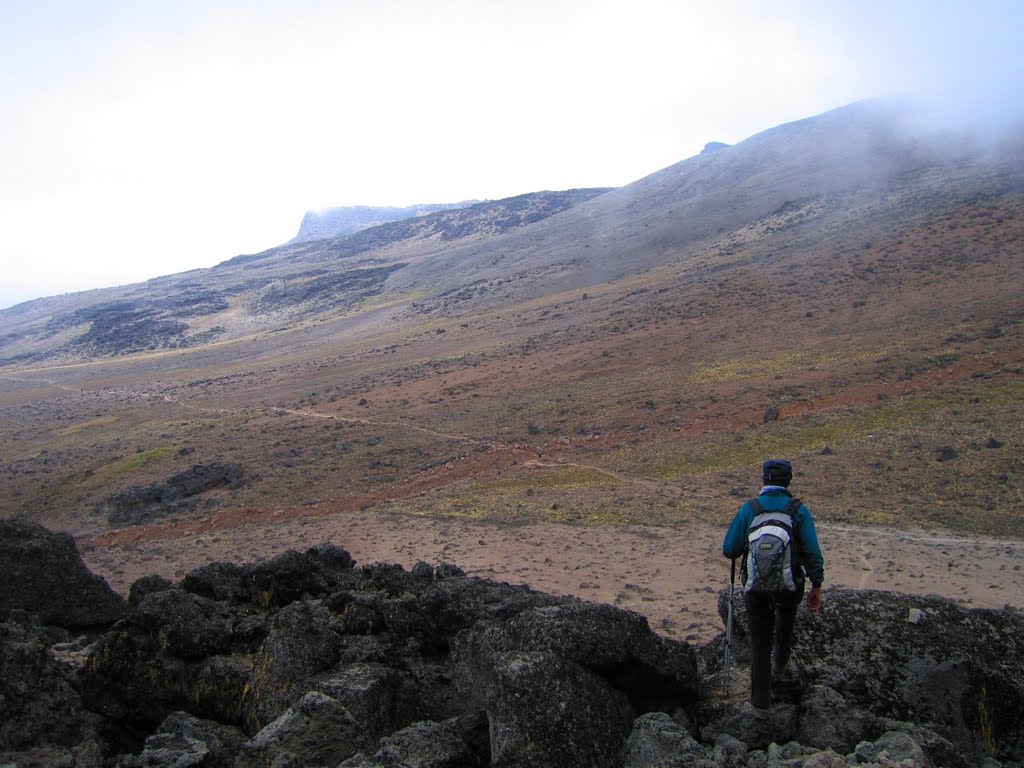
[771, 616]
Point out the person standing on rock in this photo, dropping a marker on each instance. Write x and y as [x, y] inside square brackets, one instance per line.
[774, 533]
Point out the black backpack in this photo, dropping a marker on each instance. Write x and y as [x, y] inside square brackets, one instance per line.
[771, 559]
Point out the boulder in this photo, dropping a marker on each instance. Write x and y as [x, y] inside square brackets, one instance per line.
[653, 672]
[217, 581]
[382, 699]
[820, 727]
[544, 710]
[958, 669]
[434, 613]
[893, 748]
[451, 744]
[87, 754]
[184, 741]
[44, 574]
[39, 703]
[186, 626]
[658, 741]
[938, 749]
[737, 719]
[130, 680]
[173, 651]
[146, 585]
[315, 732]
[301, 645]
[140, 505]
[293, 576]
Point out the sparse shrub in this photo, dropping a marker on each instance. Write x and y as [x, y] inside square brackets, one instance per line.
[771, 413]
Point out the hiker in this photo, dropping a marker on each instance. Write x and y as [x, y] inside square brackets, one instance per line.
[773, 574]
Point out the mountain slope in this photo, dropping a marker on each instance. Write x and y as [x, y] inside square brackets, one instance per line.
[841, 290]
[854, 154]
[255, 293]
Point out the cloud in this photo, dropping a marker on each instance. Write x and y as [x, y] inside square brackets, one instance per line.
[963, 61]
[144, 140]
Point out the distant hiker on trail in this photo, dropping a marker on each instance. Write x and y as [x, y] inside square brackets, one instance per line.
[775, 535]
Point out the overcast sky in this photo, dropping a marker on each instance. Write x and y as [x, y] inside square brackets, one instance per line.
[141, 138]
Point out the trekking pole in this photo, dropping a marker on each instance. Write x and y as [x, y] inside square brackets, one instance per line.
[728, 627]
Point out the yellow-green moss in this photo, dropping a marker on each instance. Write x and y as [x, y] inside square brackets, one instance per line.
[125, 467]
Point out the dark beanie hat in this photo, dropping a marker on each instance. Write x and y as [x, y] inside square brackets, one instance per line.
[776, 472]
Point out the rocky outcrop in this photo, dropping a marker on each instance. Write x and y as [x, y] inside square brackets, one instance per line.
[874, 661]
[182, 741]
[338, 222]
[308, 660]
[713, 146]
[140, 505]
[38, 701]
[450, 221]
[44, 575]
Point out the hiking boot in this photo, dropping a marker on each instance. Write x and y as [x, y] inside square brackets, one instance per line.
[761, 713]
[779, 670]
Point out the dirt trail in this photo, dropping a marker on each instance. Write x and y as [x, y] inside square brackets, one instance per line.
[651, 485]
[398, 424]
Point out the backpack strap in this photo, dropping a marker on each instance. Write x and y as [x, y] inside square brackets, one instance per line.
[789, 510]
[796, 554]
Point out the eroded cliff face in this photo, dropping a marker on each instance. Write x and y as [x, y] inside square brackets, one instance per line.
[308, 660]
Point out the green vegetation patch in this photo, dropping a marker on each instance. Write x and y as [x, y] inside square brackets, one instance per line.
[560, 477]
[563, 494]
[662, 458]
[125, 467]
[757, 366]
[101, 421]
[946, 460]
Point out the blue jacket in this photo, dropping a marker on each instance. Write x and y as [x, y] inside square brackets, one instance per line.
[774, 499]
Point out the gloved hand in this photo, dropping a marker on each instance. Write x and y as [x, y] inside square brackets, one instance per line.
[814, 599]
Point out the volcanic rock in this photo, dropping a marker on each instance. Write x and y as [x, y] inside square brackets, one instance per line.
[44, 575]
[307, 660]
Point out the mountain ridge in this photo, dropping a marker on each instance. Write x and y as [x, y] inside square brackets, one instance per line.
[864, 146]
[345, 220]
